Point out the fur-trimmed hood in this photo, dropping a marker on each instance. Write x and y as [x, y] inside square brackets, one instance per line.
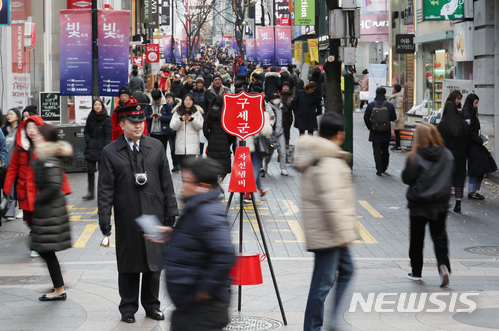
[272, 74]
[61, 149]
[21, 136]
[198, 108]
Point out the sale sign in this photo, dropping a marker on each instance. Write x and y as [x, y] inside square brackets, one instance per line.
[138, 60]
[242, 115]
[242, 178]
[152, 53]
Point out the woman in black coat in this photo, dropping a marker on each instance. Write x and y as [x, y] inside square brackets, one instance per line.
[98, 132]
[454, 132]
[478, 164]
[51, 231]
[306, 107]
[219, 141]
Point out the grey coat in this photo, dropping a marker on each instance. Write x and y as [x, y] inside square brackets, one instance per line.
[117, 189]
[51, 231]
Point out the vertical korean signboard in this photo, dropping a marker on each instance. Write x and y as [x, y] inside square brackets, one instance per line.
[76, 52]
[304, 12]
[167, 48]
[283, 55]
[50, 106]
[114, 33]
[251, 50]
[266, 45]
[183, 49]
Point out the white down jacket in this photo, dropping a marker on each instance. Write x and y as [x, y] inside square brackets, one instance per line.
[187, 138]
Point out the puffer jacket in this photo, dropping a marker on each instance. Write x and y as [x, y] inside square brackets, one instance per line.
[328, 200]
[200, 253]
[397, 99]
[272, 83]
[198, 96]
[21, 172]
[98, 132]
[51, 231]
[187, 139]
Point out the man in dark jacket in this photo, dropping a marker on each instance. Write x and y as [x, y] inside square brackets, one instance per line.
[198, 92]
[380, 139]
[215, 89]
[158, 118]
[176, 87]
[131, 196]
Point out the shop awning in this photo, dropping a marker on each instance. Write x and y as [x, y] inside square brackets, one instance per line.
[434, 37]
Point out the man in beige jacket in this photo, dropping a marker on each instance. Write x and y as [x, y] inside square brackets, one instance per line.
[329, 214]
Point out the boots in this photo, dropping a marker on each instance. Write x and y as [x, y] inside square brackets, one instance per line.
[89, 196]
[457, 207]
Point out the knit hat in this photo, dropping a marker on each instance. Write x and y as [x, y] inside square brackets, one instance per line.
[124, 90]
[31, 109]
[200, 79]
[217, 76]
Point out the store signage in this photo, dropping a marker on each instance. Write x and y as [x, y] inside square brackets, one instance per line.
[79, 4]
[304, 12]
[146, 13]
[152, 53]
[463, 41]
[166, 42]
[283, 54]
[19, 9]
[138, 60]
[404, 44]
[435, 10]
[50, 106]
[4, 12]
[154, 15]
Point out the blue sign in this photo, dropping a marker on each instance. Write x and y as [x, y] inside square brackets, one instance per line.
[4, 12]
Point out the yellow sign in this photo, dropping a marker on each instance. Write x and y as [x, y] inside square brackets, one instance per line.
[298, 51]
[342, 83]
[313, 45]
[307, 58]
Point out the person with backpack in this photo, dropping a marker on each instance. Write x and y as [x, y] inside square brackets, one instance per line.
[377, 118]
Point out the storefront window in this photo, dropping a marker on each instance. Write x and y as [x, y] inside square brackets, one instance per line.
[439, 66]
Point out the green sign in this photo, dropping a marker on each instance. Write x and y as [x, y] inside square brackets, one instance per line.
[304, 12]
[442, 10]
[146, 14]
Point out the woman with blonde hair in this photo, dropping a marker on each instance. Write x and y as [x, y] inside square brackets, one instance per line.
[429, 178]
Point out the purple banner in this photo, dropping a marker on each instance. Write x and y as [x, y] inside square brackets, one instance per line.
[251, 50]
[183, 49]
[176, 53]
[233, 45]
[167, 48]
[114, 35]
[266, 45]
[283, 55]
[222, 42]
[76, 52]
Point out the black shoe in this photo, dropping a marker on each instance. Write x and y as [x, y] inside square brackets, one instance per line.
[476, 196]
[89, 196]
[379, 173]
[128, 318]
[61, 297]
[457, 208]
[155, 314]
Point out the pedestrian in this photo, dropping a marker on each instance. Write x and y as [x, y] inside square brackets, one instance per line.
[320, 80]
[10, 131]
[377, 118]
[478, 164]
[200, 253]
[187, 86]
[176, 86]
[136, 83]
[198, 92]
[397, 99]
[287, 104]
[272, 83]
[29, 111]
[215, 89]
[364, 86]
[158, 118]
[455, 133]
[126, 99]
[278, 132]
[171, 103]
[429, 178]
[51, 231]
[134, 180]
[98, 132]
[306, 107]
[187, 121]
[329, 215]
[20, 172]
[219, 141]
[164, 78]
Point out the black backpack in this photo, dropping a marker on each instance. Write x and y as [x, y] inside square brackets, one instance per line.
[380, 117]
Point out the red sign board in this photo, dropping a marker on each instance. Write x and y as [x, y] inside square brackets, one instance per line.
[242, 178]
[152, 53]
[242, 115]
[79, 4]
[138, 60]
[285, 21]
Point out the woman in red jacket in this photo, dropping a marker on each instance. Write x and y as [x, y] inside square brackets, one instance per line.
[126, 99]
[20, 172]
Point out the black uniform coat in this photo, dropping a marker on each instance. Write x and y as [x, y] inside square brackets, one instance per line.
[478, 163]
[117, 188]
[306, 107]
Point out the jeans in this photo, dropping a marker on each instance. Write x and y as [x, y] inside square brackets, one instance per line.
[329, 266]
[381, 156]
[474, 183]
[281, 154]
[439, 237]
[257, 164]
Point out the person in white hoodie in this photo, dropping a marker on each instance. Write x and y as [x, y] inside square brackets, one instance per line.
[329, 214]
[277, 107]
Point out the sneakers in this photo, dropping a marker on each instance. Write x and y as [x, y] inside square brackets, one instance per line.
[416, 278]
[395, 148]
[34, 254]
[263, 173]
[20, 214]
[284, 172]
[247, 198]
[263, 191]
[444, 275]
[475, 196]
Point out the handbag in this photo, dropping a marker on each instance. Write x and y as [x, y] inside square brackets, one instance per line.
[263, 146]
[7, 203]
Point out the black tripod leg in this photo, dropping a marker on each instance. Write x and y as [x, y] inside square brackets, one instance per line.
[231, 195]
[241, 216]
[268, 259]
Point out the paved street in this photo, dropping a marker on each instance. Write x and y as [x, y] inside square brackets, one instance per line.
[380, 256]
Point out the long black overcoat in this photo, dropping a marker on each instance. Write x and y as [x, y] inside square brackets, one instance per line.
[98, 132]
[117, 188]
[219, 141]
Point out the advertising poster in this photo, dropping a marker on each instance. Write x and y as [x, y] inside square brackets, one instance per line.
[176, 53]
[298, 51]
[304, 12]
[283, 54]
[464, 86]
[166, 42]
[76, 52]
[114, 33]
[313, 46]
[4, 12]
[19, 9]
[233, 45]
[50, 106]
[183, 49]
[83, 105]
[463, 41]
[251, 50]
[443, 10]
[152, 53]
[266, 45]
[377, 78]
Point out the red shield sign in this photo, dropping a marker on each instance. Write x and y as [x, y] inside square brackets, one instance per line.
[242, 115]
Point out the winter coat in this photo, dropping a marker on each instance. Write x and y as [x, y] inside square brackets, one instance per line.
[117, 189]
[21, 172]
[478, 163]
[430, 180]
[4, 152]
[176, 88]
[166, 117]
[200, 253]
[240, 81]
[328, 201]
[198, 96]
[10, 139]
[379, 136]
[269, 120]
[272, 83]
[163, 81]
[187, 139]
[208, 78]
[226, 79]
[210, 94]
[136, 84]
[51, 231]
[397, 99]
[186, 89]
[364, 83]
[98, 132]
[115, 121]
[306, 106]
[287, 102]
[219, 141]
